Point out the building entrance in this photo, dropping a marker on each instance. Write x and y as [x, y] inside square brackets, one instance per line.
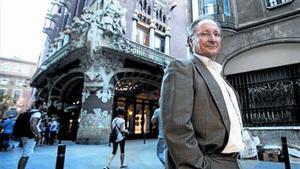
[138, 116]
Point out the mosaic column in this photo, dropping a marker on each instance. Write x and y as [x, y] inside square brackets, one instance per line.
[97, 101]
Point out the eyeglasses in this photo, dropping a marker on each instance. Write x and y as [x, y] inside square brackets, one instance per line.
[208, 35]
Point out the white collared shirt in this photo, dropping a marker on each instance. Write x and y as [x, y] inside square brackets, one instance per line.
[235, 141]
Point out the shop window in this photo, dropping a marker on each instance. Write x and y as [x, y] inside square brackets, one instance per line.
[276, 3]
[159, 43]
[142, 36]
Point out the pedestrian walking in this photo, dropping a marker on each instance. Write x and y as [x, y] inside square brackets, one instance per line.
[118, 123]
[161, 142]
[28, 139]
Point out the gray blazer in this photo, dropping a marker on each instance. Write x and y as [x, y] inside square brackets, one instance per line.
[194, 114]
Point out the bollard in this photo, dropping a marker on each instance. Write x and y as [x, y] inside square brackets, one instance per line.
[60, 160]
[286, 158]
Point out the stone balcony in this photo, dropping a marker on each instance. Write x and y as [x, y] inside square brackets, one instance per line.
[122, 45]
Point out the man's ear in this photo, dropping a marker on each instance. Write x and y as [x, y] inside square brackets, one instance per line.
[190, 42]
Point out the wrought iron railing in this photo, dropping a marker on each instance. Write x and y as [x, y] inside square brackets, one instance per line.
[269, 97]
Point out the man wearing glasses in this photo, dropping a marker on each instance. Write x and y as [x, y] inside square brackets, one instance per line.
[200, 111]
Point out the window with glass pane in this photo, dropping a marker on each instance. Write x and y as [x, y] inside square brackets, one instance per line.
[226, 4]
[17, 94]
[4, 81]
[19, 83]
[210, 7]
[2, 92]
[269, 97]
[159, 43]
[142, 36]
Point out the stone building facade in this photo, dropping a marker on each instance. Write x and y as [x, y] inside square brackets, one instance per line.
[101, 55]
[15, 76]
[261, 58]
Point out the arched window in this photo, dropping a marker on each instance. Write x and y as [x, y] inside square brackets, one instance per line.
[141, 5]
[164, 19]
[160, 15]
[149, 10]
[145, 6]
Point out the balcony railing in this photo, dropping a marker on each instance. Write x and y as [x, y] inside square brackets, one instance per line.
[142, 52]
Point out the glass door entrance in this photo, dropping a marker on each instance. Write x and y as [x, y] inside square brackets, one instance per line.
[138, 117]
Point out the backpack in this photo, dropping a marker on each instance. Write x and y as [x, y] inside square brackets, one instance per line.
[22, 125]
[113, 134]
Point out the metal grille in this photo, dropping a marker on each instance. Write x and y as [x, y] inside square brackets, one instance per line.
[276, 3]
[269, 97]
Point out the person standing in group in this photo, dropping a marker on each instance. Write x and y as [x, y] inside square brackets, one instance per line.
[200, 110]
[8, 126]
[161, 142]
[54, 128]
[119, 123]
[29, 142]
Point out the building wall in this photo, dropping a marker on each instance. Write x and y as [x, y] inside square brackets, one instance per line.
[178, 24]
[251, 12]
[14, 77]
[284, 30]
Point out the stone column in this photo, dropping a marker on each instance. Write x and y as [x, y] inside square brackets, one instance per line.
[167, 41]
[151, 34]
[195, 9]
[134, 27]
[97, 101]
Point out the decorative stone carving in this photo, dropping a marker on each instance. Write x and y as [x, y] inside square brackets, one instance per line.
[105, 94]
[88, 120]
[93, 74]
[95, 27]
[122, 44]
[85, 95]
[104, 118]
[78, 33]
[97, 119]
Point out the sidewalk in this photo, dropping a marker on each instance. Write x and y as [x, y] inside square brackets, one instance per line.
[138, 156]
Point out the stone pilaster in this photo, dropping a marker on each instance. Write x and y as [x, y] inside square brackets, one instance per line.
[134, 27]
[167, 41]
[151, 34]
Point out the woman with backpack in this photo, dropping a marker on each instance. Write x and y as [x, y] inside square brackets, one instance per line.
[119, 124]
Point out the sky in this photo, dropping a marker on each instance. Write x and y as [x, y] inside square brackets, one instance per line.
[21, 24]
